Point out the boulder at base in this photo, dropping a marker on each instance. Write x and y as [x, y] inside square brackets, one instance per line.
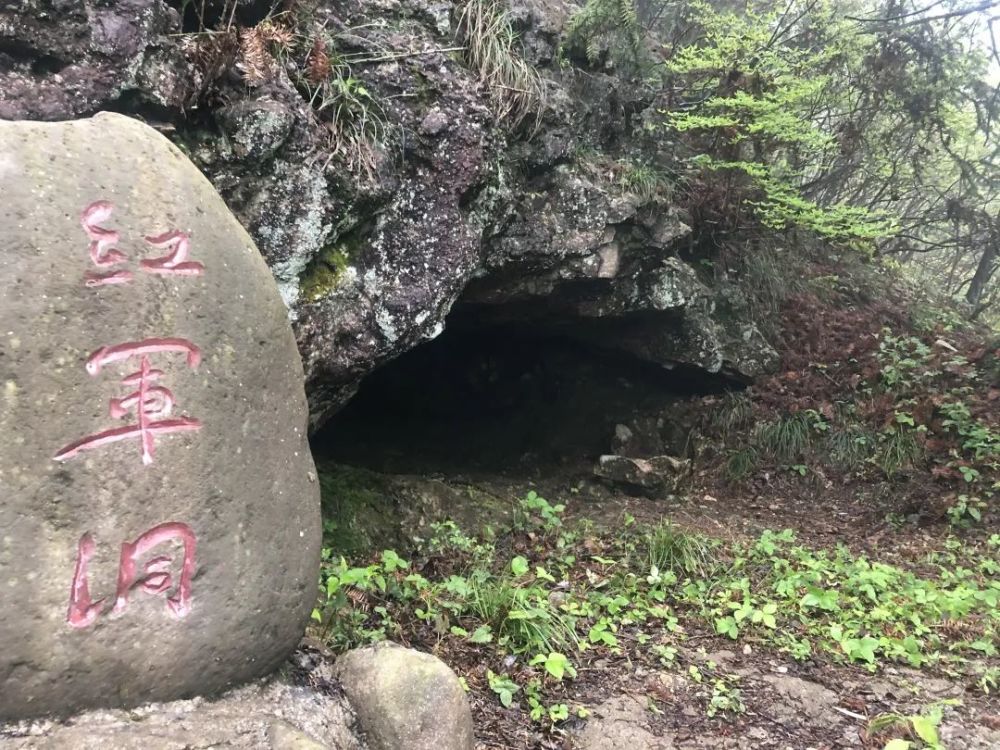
[159, 514]
[405, 699]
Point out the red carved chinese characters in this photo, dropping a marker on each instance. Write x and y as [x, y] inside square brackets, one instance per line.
[175, 262]
[104, 254]
[152, 577]
[82, 612]
[152, 403]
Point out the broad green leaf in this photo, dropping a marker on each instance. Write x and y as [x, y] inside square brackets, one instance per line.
[926, 729]
[482, 634]
[519, 566]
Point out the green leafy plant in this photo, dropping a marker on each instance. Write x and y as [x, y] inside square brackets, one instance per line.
[743, 613]
[726, 697]
[503, 686]
[533, 600]
[966, 510]
[556, 664]
[536, 512]
[921, 731]
[988, 680]
[905, 360]
[841, 604]
[978, 439]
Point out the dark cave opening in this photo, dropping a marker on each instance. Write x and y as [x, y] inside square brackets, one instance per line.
[198, 16]
[508, 399]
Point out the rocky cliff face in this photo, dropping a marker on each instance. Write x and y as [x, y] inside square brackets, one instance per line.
[386, 183]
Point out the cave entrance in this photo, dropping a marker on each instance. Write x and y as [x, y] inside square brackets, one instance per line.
[507, 400]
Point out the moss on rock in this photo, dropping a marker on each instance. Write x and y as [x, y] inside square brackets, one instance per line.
[365, 511]
[357, 510]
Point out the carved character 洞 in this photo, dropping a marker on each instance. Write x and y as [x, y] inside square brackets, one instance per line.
[152, 577]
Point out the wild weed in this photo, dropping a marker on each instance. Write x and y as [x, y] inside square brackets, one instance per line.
[898, 450]
[641, 180]
[521, 616]
[786, 439]
[849, 447]
[516, 88]
[741, 463]
[772, 278]
[684, 553]
[357, 123]
[735, 413]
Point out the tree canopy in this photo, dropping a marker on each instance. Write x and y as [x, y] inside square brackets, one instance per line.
[869, 123]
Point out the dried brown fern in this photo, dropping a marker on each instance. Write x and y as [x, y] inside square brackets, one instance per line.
[318, 66]
[359, 599]
[278, 35]
[255, 61]
[211, 53]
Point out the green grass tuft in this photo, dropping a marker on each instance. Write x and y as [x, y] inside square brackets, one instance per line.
[491, 49]
[684, 553]
[741, 464]
[734, 414]
[511, 613]
[899, 450]
[786, 440]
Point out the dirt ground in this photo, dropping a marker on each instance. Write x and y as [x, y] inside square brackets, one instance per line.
[636, 704]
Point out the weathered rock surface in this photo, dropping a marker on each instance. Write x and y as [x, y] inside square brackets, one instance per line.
[652, 434]
[61, 59]
[167, 545]
[275, 715]
[622, 724]
[405, 699]
[530, 226]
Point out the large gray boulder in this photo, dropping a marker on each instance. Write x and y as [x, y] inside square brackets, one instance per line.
[159, 523]
[405, 699]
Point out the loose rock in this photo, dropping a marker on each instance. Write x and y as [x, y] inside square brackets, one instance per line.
[406, 700]
[656, 473]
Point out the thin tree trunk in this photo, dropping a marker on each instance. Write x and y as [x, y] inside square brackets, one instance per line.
[984, 272]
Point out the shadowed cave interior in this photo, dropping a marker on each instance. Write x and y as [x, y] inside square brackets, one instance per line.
[508, 399]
